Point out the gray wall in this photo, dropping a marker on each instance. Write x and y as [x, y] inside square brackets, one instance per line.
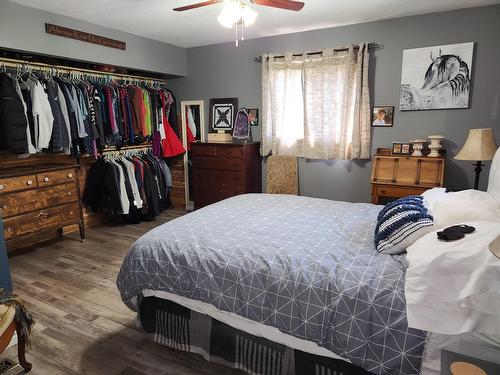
[23, 28]
[226, 71]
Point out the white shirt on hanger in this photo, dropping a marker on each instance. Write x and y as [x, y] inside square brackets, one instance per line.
[123, 191]
[133, 182]
[42, 114]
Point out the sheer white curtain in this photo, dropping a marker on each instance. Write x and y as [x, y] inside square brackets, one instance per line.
[317, 106]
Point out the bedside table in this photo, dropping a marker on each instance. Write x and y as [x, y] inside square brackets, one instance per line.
[397, 176]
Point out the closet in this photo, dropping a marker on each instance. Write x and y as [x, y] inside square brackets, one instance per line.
[59, 123]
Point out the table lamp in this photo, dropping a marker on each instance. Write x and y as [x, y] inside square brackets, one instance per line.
[479, 146]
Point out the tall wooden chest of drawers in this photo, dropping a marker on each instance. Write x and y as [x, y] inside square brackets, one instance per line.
[37, 200]
[223, 170]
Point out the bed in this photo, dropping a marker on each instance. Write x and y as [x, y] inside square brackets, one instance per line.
[272, 284]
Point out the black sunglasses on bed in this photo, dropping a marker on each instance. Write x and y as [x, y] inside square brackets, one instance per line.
[455, 232]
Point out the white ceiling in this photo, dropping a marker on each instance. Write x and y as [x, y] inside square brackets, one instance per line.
[155, 19]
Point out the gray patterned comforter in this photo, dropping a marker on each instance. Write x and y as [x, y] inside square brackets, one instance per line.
[306, 266]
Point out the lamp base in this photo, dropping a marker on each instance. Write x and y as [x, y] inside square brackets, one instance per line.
[478, 170]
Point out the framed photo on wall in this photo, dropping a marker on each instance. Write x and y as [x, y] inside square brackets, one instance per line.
[383, 116]
[253, 114]
[222, 113]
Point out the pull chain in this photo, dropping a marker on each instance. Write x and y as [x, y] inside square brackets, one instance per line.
[236, 28]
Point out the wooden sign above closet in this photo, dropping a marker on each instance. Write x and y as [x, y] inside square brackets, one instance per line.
[84, 36]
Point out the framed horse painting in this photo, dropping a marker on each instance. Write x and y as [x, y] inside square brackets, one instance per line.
[436, 77]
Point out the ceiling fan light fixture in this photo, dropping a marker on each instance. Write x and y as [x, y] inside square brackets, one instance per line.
[248, 15]
[231, 14]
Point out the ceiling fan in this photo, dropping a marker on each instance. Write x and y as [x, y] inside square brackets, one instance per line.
[237, 12]
[282, 4]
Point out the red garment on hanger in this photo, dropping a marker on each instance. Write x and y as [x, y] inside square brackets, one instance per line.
[171, 145]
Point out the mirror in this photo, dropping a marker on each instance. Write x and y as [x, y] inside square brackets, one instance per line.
[193, 130]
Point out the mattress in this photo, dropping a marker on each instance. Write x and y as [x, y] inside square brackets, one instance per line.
[304, 266]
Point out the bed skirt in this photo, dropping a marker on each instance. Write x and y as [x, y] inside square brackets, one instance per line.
[178, 327]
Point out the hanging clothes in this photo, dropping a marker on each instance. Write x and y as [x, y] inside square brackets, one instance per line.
[134, 186]
[13, 134]
[76, 116]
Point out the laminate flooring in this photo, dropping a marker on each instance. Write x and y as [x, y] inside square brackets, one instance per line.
[82, 326]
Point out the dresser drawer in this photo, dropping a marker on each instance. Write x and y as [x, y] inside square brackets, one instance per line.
[218, 150]
[230, 151]
[70, 213]
[30, 200]
[210, 162]
[55, 177]
[204, 150]
[32, 222]
[214, 177]
[8, 185]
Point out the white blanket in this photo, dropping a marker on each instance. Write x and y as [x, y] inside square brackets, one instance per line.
[454, 287]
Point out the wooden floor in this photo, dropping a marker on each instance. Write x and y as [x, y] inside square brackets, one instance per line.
[82, 325]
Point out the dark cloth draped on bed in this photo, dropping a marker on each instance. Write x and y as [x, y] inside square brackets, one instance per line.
[306, 266]
[180, 328]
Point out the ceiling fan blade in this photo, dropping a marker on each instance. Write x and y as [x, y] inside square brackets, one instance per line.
[197, 5]
[283, 4]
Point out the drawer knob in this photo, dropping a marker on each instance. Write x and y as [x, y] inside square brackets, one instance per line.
[9, 229]
[46, 179]
[43, 213]
[71, 213]
[2, 187]
[70, 175]
[29, 182]
[68, 193]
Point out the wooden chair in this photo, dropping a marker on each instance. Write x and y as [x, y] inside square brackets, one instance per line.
[282, 175]
[8, 326]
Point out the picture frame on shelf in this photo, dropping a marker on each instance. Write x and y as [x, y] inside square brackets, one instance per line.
[222, 114]
[383, 116]
[401, 148]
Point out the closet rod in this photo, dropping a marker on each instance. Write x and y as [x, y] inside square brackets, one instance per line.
[14, 63]
[371, 47]
[124, 148]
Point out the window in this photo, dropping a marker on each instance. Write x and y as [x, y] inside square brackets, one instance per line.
[316, 106]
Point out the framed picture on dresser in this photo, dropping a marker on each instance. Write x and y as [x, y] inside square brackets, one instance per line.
[222, 113]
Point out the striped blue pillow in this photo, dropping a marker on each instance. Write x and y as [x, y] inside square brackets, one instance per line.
[401, 223]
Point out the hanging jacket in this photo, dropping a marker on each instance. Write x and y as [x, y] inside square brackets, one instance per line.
[59, 126]
[13, 123]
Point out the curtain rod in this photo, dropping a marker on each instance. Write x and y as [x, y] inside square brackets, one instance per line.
[371, 46]
[14, 63]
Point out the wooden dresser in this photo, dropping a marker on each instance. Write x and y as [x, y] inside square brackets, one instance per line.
[223, 170]
[396, 176]
[37, 200]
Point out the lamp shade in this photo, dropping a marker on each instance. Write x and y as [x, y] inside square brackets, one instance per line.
[480, 145]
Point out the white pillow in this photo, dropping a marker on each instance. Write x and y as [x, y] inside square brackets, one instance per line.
[494, 180]
[457, 207]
